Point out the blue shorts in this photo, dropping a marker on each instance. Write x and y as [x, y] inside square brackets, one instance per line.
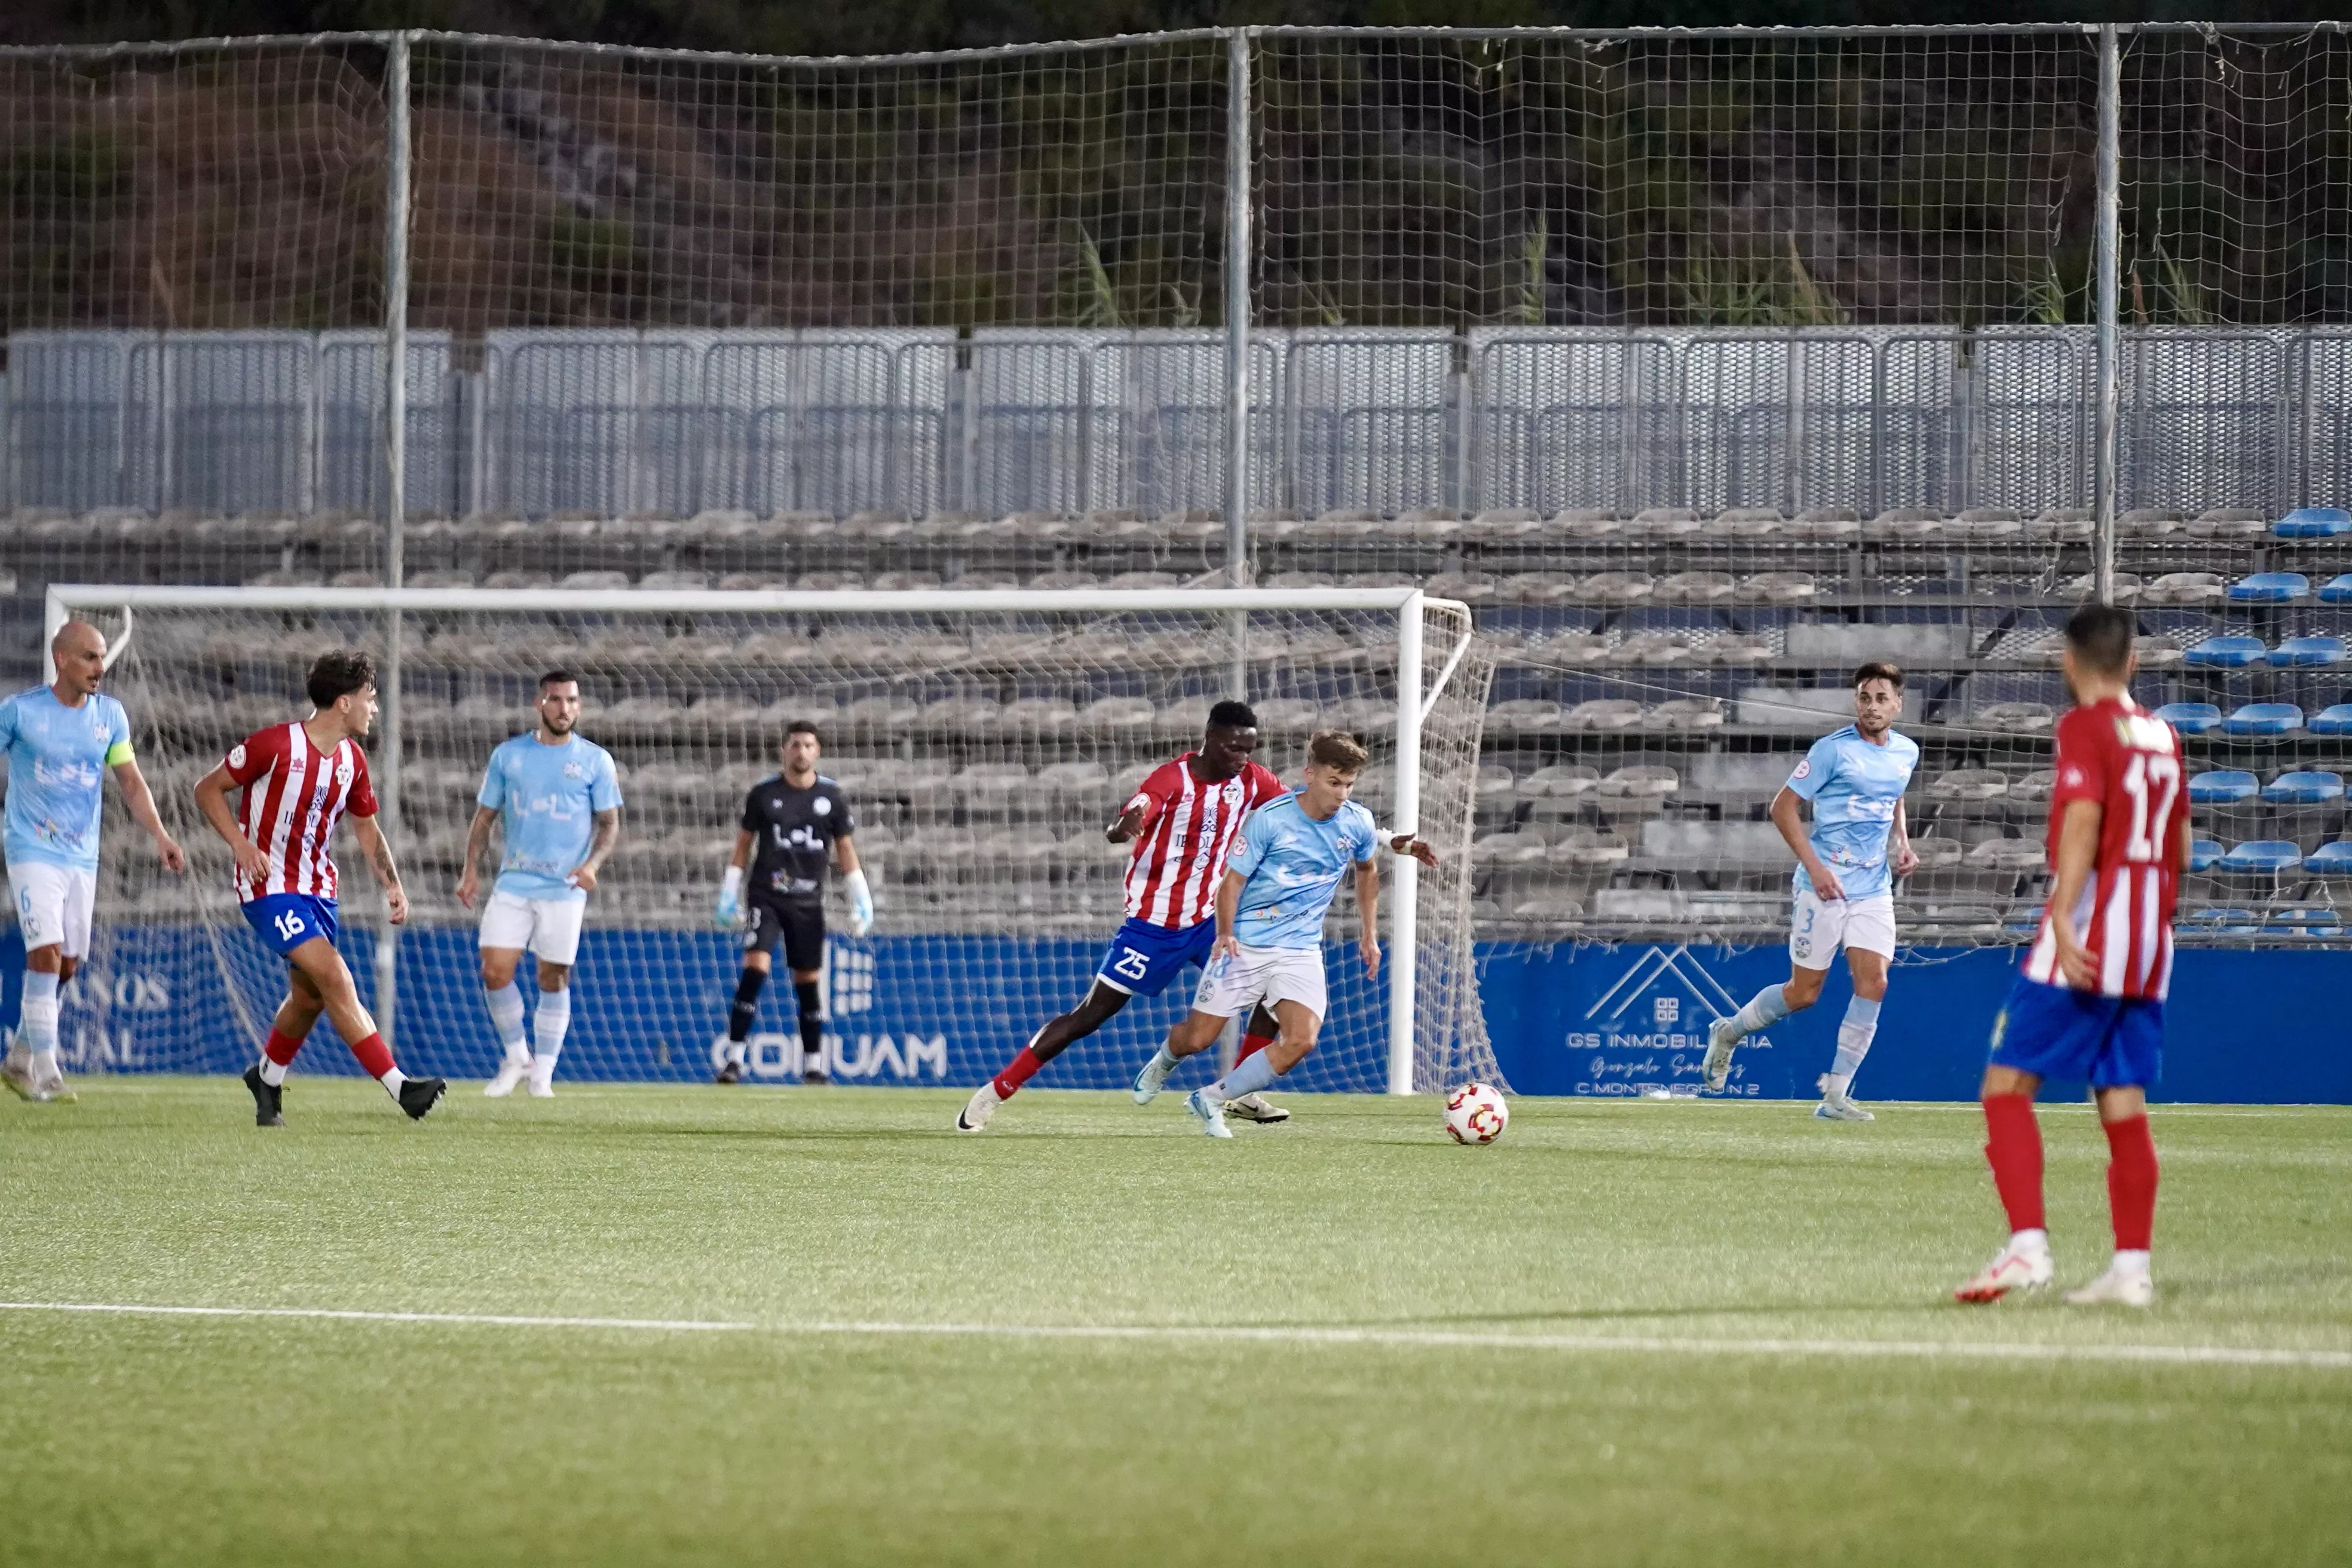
[286, 920]
[1142, 958]
[2052, 1031]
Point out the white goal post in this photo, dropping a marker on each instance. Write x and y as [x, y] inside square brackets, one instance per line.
[1395, 662]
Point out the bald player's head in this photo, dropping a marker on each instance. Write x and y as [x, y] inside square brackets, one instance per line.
[80, 654]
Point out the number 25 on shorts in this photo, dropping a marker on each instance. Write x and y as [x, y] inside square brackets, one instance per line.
[1132, 964]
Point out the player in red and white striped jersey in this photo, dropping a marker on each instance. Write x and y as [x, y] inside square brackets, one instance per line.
[2089, 1001]
[299, 780]
[1184, 821]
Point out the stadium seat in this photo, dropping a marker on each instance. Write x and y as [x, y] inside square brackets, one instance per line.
[2264, 718]
[1640, 783]
[2337, 590]
[2333, 721]
[2018, 717]
[1502, 851]
[1938, 853]
[2307, 651]
[1573, 648]
[2202, 854]
[2223, 786]
[1694, 588]
[2147, 522]
[2222, 921]
[1603, 713]
[579, 581]
[2303, 787]
[1685, 714]
[1519, 716]
[2006, 854]
[2330, 860]
[2034, 787]
[2311, 922]
[1971, 784]
[1655, 649]
[1561, 780]
[1587, 848]
[2314, 522]
[2270, 588]
[2180, 588]
[2227, 653]
[2262, 857]
[2228, 522]
[1778, 588]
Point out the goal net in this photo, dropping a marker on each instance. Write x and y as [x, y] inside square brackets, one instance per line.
[985, 741]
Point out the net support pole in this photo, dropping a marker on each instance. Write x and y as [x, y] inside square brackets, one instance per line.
[396, 491]
[1237, 344]
[2105, 242]
[1404, 905]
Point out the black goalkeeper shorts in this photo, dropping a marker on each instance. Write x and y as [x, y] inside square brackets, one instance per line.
[798, 926]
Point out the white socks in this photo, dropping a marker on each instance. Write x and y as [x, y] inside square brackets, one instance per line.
[2132, 1262]
[2032, 1241]
[547, 1027]
[1767, 1007]
[1247, 1079]
[506, 1017]
[273, 1073]
[1853, 1042]
[392, 1080]
[36, 1025]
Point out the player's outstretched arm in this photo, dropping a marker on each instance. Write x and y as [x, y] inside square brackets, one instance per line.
[599, 849]
[1367, 906]
[1129, 822]
[1406, 843]
[853, 883]
[142, 802]
[378, 851]
[212, 803]
[2078, 847]
[1789, 817]
[478, 844]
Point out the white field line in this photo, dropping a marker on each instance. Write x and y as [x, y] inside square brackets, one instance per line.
[1411, 1339]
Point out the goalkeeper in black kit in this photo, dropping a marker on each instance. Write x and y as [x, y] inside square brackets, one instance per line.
[794, 826]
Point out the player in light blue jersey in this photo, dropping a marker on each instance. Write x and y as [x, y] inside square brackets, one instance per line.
[1278, 885]
[1845, 883]
[60, 740]
[559, 798]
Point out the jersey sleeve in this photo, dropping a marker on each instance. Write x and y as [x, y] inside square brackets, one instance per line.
[751, 820]
[845, 818]
[1263, 785]
[7, 724]
[1369, 831]
[1152, 795]
[1250, 847]
[2082, 762]
[1810, 775]
[360, 799]
[604, 789]
[118, 735]
[251, 757]
[493, 792]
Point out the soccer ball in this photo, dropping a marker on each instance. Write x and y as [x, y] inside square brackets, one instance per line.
[1476, 1114]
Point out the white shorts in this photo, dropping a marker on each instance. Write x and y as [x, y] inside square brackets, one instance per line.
[1818, 928]
[550, 927]
[1271, 974]
[53, 905]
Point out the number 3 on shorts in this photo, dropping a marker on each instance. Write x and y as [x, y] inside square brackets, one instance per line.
[1132, 964]
[289, 926]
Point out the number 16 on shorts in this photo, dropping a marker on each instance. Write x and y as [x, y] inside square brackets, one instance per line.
[285, 920]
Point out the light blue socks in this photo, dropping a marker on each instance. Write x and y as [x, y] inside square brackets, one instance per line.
[1764, 1009]
[506, 1017]
[36, 1025]
[1853, 1041]
[1247, 1079]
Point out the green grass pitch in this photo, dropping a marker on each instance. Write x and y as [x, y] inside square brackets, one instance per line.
[1351, 1388]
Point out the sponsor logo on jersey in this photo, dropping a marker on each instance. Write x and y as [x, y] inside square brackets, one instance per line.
[1804, 770]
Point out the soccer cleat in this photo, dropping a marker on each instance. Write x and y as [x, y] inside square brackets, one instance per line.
[1256, 1107]
[2118, 1287]
[731, 1073]
[542, 1089]
[1152, 1079]
[418, 1095]
[976, 1110]
[268, 1099]
[16, 1072]
[1210, 1113]
[1836, 1107]
[1722, 1038]
[511, 1072]
[2010, 1270]
[815, 1075]
[52, 1084]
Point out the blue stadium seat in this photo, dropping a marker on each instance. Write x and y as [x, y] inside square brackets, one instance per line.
[2234, 923]
[2228, 653]
[2335, 721]
[2303, 787]
[2318, 923]
[2337, 590]
[2262, 857]
[2223, 786]
[2308, 650]
[2314, 522]
[2330, 860]
[2270, 588]
[2193, 718]
[2264, 718]
[2202, 854]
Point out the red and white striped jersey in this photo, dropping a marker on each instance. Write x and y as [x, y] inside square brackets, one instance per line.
[2116, 753]
[1188, 831]
[294, 795]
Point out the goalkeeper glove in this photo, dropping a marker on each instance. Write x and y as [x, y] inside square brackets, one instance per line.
[730, 897]
[861, 903]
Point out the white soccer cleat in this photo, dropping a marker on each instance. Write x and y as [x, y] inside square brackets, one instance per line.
[976, 1110]
[1256, 1107]
[1722, 1038]
[542, 1088]
[2117, 1287]
[2012, 1270]
[51, 1085]
[1837, 1107]
[510, 1074]
[1152, 1079]
[17, 1073]
[1210, 1113]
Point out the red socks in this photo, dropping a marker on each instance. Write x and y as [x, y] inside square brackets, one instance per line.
[2131, 1182]
[373, 1055]
[281, 1049]
[2013, 1148]
[1251, 1046]
[1017, 1071]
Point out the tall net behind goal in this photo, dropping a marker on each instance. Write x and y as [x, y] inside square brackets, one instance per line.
[984, 751]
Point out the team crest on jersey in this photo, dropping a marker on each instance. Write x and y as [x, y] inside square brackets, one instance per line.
[344, 772]
[574, 770]
[821, 807]
[236, 755]
[1804, 770]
